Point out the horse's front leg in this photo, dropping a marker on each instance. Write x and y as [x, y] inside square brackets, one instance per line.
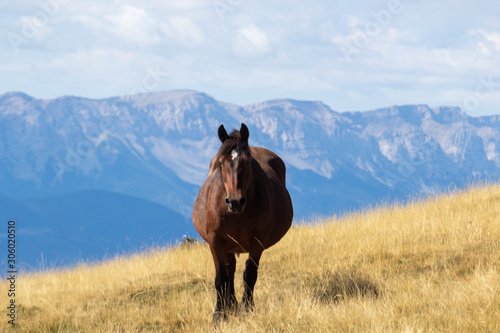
[221, 284]
[250, 278]
[231, 302]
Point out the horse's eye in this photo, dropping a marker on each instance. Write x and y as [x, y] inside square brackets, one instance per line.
[220, 164]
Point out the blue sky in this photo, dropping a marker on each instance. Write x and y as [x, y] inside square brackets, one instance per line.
[352, 55]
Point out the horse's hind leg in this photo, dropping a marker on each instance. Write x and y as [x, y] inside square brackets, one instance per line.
[230, 294]
[249, 278]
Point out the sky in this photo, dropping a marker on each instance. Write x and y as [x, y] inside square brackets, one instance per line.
[351, 55]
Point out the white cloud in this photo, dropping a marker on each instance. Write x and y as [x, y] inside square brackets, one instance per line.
[353, 22]
[251, 41]
[134, 25]
[489, 41]
[183, 30]
[432, 53]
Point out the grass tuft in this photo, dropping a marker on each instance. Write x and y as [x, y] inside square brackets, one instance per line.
[343, 285]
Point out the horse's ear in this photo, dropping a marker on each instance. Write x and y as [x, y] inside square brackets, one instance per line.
[244, 134]
[222, 133]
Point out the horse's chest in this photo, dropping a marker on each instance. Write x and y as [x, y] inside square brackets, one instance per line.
[241, 235]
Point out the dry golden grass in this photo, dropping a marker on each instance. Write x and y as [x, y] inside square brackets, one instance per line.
[429, 266]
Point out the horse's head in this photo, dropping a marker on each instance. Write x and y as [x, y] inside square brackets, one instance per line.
[235, 160]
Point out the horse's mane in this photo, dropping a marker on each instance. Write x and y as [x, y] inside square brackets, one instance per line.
[234, 142]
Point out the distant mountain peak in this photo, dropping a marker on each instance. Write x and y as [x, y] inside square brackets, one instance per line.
[168, 96]
[13, 94]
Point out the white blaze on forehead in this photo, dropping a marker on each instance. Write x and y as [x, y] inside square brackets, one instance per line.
[234, 154]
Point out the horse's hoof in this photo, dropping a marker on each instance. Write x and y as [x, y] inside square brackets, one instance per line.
[218, 317]
[233, 308]
[246, 307]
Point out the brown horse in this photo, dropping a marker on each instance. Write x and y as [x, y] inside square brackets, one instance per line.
[243, 207]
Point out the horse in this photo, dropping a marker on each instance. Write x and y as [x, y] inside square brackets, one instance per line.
[242, 207]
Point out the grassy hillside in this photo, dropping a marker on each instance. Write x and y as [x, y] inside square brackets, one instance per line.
[432, 266]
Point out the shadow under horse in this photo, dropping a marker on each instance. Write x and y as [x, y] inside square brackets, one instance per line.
[242, 207]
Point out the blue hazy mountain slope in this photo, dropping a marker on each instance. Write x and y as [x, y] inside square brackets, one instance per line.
[83, 225]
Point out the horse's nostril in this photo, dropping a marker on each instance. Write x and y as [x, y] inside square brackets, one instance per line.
[228, 202]
[243, 201]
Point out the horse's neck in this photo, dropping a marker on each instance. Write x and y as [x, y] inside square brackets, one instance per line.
[258, 187]
[213, 165]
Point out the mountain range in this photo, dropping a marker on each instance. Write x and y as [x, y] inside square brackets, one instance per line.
[89, 178]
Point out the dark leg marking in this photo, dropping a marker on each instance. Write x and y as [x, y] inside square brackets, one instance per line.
[231, 302]
[221, 284]
[249, 279]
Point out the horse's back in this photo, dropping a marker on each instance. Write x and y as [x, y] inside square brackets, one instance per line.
[270, 161]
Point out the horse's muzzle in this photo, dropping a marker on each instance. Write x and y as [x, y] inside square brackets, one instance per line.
[235, 205]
